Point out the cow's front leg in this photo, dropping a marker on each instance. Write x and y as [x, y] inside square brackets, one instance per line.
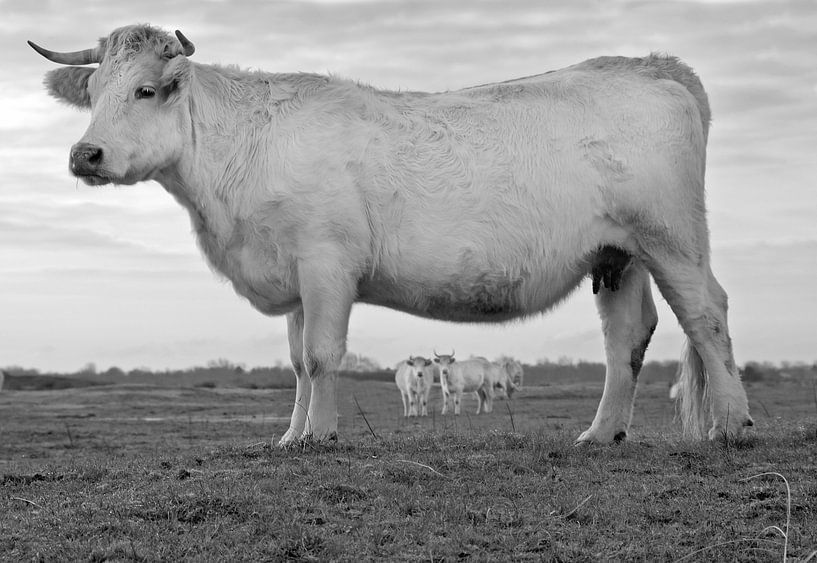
[327, 294]
[303, 388]
[445, 400]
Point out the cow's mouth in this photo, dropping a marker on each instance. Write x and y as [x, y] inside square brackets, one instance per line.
[100, 177]
[94, 179]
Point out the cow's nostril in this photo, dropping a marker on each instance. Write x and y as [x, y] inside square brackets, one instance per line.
[94, 155]
[85, 155]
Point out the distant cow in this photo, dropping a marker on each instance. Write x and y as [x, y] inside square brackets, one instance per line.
[310, 193]
[515, 373]
[414, 378]
[467, 376]
[499, 380]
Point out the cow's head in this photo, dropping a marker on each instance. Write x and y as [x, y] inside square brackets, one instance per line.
[418, 365]
[445, 361]
[515, 372]
[136, 95]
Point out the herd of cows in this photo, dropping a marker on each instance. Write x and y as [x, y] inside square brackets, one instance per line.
[487, 380]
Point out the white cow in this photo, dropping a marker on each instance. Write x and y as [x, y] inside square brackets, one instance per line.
[310, 193]
[499, 380]
[515, 372]
[467, 376]
[414, 378]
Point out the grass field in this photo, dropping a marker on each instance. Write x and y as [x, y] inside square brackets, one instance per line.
[142, 472]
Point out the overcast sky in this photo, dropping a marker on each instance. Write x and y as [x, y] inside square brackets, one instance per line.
[112, 275]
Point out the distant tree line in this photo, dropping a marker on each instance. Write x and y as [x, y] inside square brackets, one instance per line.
[223, 373]
[767, 372]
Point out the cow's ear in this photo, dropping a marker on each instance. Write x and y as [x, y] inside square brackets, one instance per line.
[70, 85]
[175, 77]
[453, 360]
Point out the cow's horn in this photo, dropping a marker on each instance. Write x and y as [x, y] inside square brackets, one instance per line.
[85, 57]
[187, 47]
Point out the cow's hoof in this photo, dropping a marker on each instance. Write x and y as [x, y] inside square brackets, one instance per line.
[593, 436]
[289, 440]
[288, 445]
[732, 430]
[720, 434]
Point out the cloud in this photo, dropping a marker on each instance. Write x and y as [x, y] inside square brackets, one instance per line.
[85, 271]
[40, 236]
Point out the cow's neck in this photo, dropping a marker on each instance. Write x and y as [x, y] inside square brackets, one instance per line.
[213, 177]
[233, 115]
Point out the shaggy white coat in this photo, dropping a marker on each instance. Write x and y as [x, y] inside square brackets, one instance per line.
[310, 193]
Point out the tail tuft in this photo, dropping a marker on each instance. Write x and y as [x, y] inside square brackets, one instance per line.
[693, 393]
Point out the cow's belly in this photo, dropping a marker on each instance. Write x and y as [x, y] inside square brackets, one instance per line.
[468, 385]
[493, 275]
[488, 297]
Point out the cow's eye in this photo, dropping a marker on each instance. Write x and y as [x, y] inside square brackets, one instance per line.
[145, 92]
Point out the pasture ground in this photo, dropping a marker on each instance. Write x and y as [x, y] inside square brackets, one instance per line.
[140, 472]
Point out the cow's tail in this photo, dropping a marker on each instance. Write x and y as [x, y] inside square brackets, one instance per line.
[693, 393]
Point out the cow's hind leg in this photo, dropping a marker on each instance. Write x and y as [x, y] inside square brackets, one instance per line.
[487, 398]
[628, 318]
[303, 388]
[710, 387]
[445, 396]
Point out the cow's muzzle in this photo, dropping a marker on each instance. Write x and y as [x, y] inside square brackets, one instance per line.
[85, 159]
